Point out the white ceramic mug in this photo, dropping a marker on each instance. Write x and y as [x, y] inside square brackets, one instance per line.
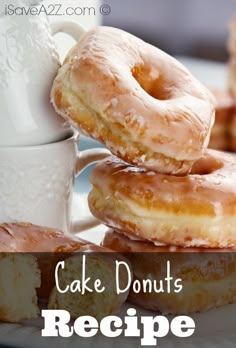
[88, 20]
[28, 64]
[36, 183]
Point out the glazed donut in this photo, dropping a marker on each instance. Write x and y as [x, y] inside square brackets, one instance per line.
[225, 109]
[49, 246]
[197, 210]
[208, 278]
[137, 100]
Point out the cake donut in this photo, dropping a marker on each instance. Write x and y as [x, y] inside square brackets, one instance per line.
[197, 210]
[225, 109]
[137, 100]
[45, 247]
[208, 277]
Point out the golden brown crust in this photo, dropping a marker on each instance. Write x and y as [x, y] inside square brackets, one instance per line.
[140, 102]
[25, 237]
[220, 139]
[225, 105]
[225, 110]
[208, 276]
[53, 246]
[195, 210]
[233, 143]
[123, 242]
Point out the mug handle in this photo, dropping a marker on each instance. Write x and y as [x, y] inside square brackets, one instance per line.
[70, 28]
[84, 159]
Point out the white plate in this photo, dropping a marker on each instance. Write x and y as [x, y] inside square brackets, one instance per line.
[215, 328]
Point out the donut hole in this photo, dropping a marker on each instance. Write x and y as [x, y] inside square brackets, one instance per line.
[206, 165]
[151, 82]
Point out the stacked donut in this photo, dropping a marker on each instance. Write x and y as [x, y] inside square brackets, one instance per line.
[28, 259]
[161, 185]
[223, 136]
[232, 62]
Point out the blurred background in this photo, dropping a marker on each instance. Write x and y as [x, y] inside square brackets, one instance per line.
[197, 28]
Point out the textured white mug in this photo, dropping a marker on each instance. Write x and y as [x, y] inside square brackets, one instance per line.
[28, 64]
[36, 183]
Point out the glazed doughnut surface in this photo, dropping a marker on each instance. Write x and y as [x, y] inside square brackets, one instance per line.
[225, 110]
[197, 210]
[208, 276]
[137, 100]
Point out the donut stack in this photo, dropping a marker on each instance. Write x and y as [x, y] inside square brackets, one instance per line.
[232, 62]
[195, 210]
[161, 185]
[222, 137]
